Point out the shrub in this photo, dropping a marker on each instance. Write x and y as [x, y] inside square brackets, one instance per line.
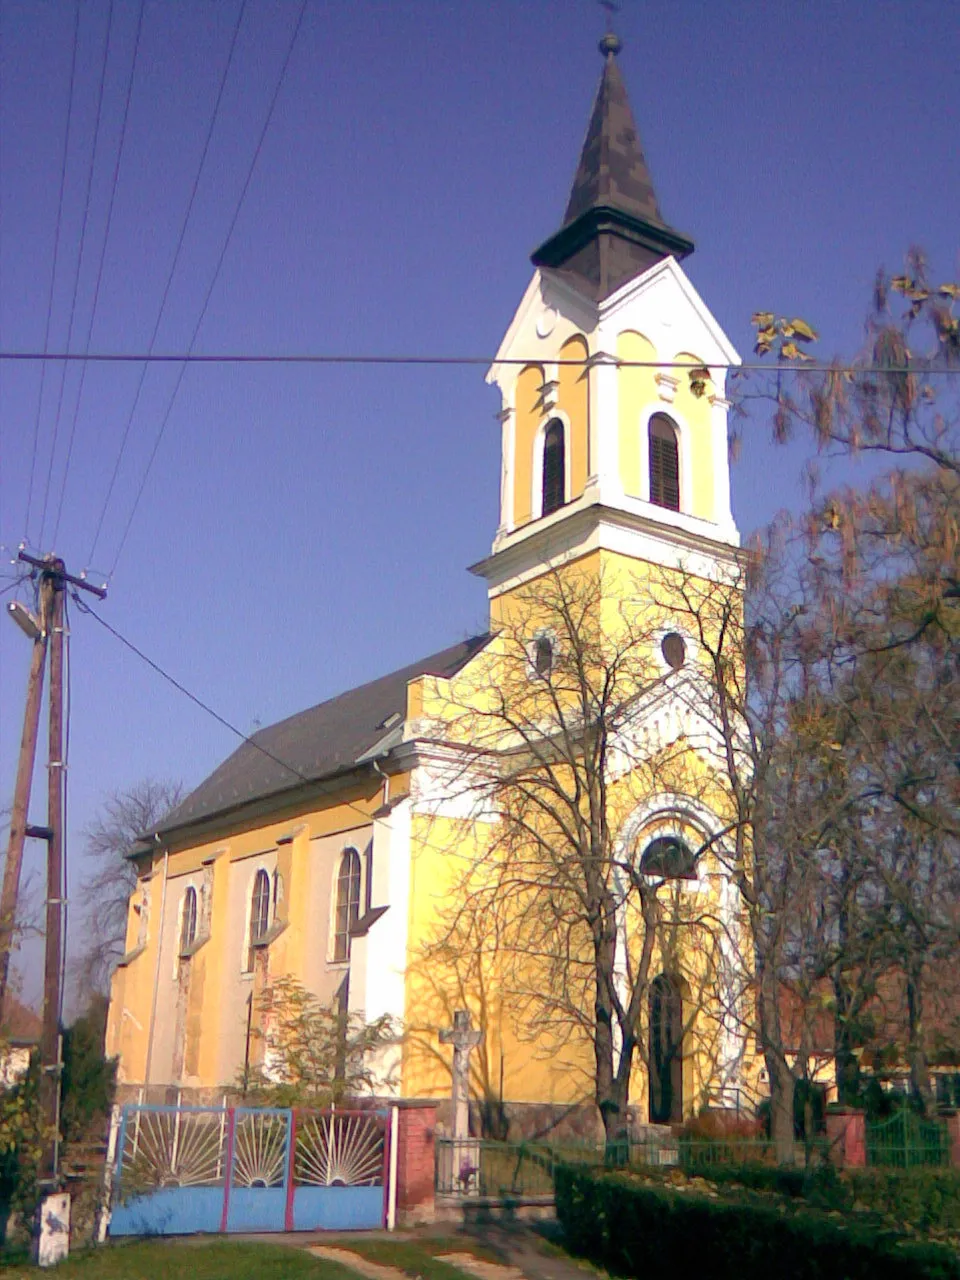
[639, 1230]
[922, 1198]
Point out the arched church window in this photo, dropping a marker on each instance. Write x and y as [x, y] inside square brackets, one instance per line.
[554, 468]
[259, 913]
[664, 462]
[348, 903]
[188, 919]
[670, 858]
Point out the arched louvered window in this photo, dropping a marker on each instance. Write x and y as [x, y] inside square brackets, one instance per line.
[669, 857]
[664, 463]
[259, 913]
[348, 903]
[188, 919]
[554, 468]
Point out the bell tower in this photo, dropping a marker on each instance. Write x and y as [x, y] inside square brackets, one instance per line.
[607, 440]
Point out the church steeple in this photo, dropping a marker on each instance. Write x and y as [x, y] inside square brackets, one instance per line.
[613, 229]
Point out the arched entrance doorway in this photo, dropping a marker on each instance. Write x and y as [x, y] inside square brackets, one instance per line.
[666, 1051]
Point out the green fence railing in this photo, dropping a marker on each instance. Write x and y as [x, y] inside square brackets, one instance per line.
[907, 1141]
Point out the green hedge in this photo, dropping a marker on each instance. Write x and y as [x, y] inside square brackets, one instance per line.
[921, 1198]
[638, 1230]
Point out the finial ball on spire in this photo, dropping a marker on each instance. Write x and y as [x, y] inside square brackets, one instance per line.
[610, 44]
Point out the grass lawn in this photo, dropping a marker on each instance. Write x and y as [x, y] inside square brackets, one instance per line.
[173, 1260]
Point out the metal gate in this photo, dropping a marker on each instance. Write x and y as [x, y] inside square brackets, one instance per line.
[180, 1170]
[907, 1141]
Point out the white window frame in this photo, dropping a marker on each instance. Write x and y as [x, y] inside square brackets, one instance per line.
[536, 479]
[332, 931]
[684, 456]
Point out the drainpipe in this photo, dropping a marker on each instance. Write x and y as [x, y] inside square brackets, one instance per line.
[156, 972]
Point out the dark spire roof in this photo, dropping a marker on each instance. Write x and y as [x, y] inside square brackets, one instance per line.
[613, 229]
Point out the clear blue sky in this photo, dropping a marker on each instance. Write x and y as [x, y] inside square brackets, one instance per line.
[303, 530]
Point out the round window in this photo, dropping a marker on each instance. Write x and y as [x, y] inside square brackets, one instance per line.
[543, 656]
[673, 649]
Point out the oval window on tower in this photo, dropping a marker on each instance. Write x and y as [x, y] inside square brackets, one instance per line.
[673, 649]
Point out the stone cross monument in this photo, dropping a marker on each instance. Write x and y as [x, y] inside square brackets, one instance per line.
[463, 1040]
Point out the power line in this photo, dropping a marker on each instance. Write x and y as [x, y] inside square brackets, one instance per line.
[216, 275]
[172, 272]
[106, 238]
[155, 666]
[322, 358]
[76, 289]
[53, 269]
[204, 706]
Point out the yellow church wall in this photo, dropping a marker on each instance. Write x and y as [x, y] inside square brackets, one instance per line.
[526, 419]
[530, 412]
[639, 397]
[647, 598]
[573, 395]
[469, 975]
[216, 1003]
[637, 390]
[696, 412]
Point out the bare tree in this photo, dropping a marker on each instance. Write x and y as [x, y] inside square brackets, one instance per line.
[125, 816]
[549, 751]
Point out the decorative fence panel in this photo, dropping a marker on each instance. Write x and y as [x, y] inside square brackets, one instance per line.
[181, 1170]
[907, 1141]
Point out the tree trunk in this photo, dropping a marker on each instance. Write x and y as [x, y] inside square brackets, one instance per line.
[782, 1086]
[916, 1049]
[847, 1064]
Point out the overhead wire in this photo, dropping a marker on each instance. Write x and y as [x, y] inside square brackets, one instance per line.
[199, 702]
[53, 269]
[114, 186]
[170, 275]
[190, 357]
[213, 282]
[76, 288]
[204, 706]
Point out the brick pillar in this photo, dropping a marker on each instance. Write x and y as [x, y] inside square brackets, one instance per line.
[953, 1130]
[416, 1159]
[847, 1135]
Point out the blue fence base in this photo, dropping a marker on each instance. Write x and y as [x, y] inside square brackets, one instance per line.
[337, 1208]
[170, 1211]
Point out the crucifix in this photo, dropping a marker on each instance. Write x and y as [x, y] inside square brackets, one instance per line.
[463, 1040]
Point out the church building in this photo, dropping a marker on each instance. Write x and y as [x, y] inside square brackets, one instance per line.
[338, 846]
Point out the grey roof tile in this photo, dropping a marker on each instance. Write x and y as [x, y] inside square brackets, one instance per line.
[320, 742]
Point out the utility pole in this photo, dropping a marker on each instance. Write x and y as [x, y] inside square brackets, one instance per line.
[56, 890]
[52, 1240]
[21, 796]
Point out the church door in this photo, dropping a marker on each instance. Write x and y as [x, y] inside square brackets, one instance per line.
[666, 1052]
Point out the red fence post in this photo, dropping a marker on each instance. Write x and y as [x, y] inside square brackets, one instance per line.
[847, 1135]
[416, 1162]
[291, 1171]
